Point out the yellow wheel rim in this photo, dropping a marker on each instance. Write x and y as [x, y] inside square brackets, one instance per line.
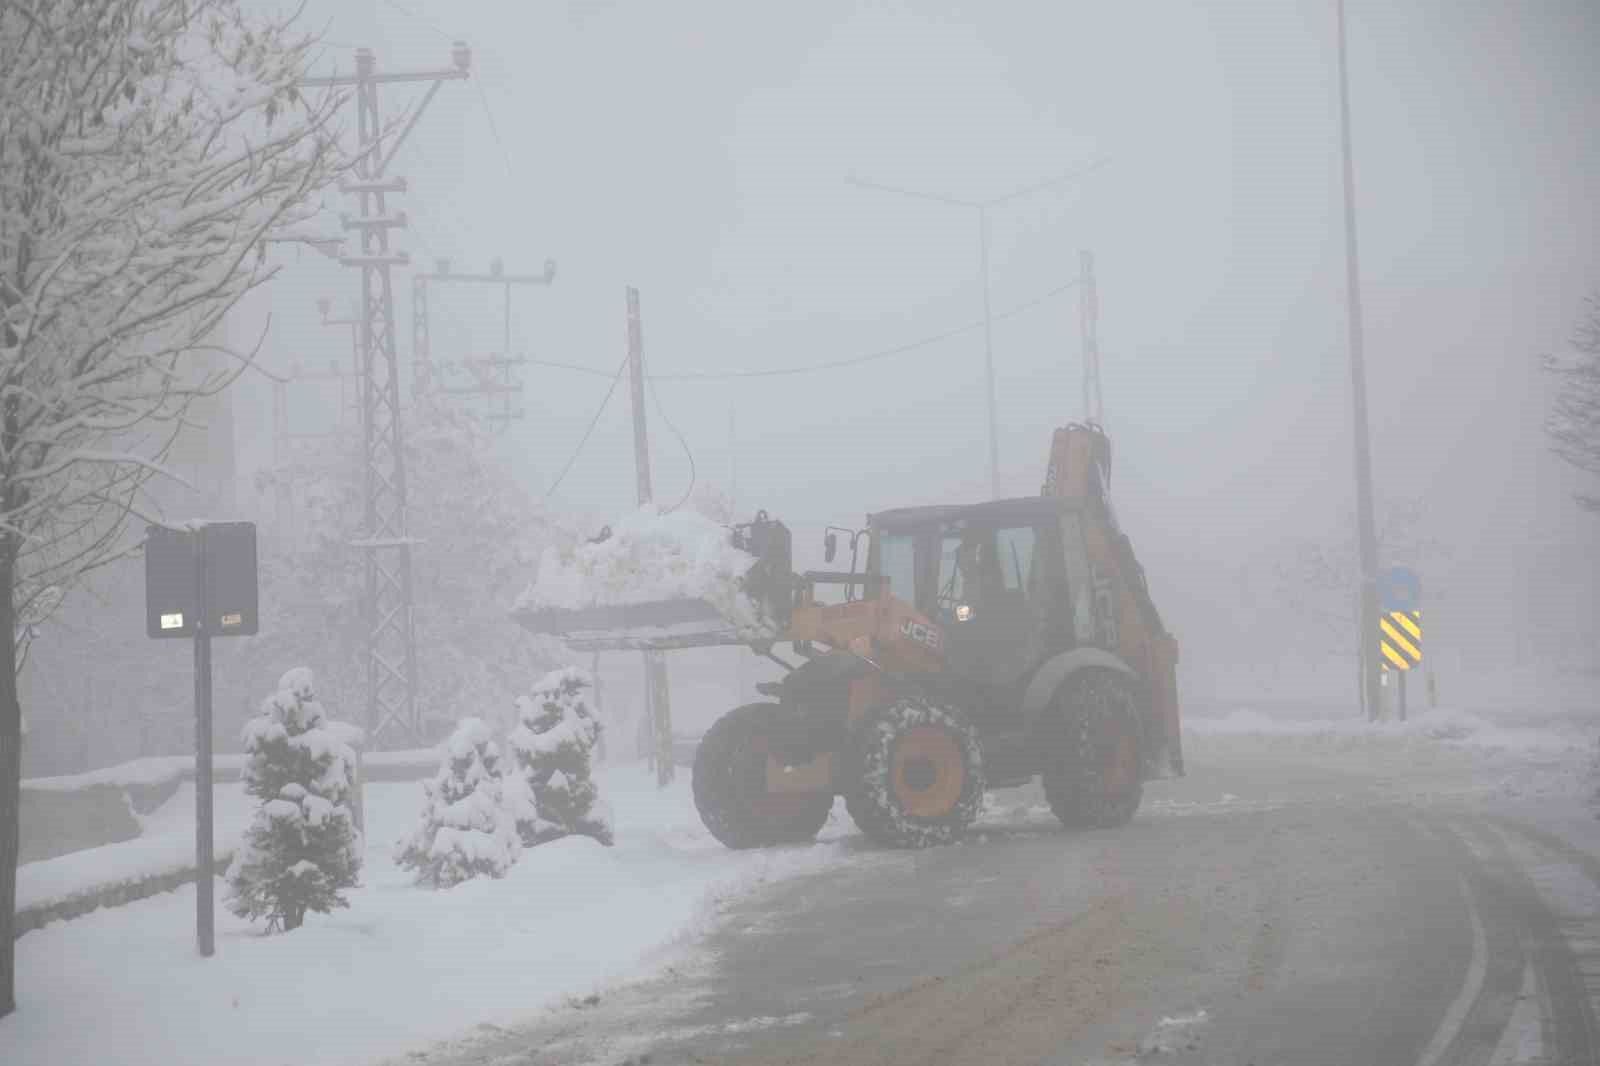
[929, 772]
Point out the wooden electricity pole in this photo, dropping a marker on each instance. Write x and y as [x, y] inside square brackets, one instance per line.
[658, 706]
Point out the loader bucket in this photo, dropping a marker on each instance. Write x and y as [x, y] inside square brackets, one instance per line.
[753, 610]
[655, 625]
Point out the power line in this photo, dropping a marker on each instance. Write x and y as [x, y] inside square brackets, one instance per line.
[596, 371]
[595, 421]
[494, 129]
[662, 411]
[837, 364]
[425, 21]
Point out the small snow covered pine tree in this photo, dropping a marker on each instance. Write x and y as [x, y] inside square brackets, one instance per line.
[465, 829]
[552, 742]
[302, 849]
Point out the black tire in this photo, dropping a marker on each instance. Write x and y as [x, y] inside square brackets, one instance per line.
[1092, 776]
[730, 786]
[916, 775]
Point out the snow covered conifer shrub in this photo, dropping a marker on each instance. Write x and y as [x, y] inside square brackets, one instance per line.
[302, 849]
[465, 829]
[554, 738]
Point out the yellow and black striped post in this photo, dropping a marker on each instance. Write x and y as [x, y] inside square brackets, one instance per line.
[1401, 640]
[1400, 644]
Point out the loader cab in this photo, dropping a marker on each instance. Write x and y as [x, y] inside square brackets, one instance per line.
[1008, 582]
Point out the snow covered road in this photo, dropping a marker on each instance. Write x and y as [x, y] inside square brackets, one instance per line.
[1313, 896]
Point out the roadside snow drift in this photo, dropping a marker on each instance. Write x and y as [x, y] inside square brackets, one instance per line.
[405, 965]
[1443, 725]
[657, 577]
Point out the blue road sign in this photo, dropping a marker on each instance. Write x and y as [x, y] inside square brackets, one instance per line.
[1400, 589]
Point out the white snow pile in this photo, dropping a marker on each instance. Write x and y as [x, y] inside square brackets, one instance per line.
[650, 557]
[1440, 725]
[403, 966]
[165, 848]
[150, 770]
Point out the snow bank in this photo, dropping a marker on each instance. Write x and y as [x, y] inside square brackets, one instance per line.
[164, 769]
[650, 557]
[152, 770]
[402, 967]
[68, 884]
[1442, 725]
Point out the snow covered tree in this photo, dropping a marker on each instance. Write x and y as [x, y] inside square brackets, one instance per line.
[1318, 581]
[555, 735]
[484, 532]
[302, 849]
[1574, 423]
[466, 828]
[146, 149]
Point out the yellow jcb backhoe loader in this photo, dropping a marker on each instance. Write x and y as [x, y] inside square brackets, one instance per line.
[980, 646]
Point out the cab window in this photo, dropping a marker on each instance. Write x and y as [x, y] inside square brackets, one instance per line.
[958, 572]
[897, 561]
[1016, 550]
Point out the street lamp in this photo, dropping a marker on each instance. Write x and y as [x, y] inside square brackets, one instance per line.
[983, 207]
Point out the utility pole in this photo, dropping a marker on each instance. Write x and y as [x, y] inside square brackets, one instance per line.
[983, 207]
[492, 374]
[283, 492]
[658, 706]
[284, 441]
[599, 705]
[740, 670]
[1094, 410]
[392, 714]
[988, 354]
[1367, 620]
[349, 402]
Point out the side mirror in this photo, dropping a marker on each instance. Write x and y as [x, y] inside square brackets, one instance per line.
[830, 546]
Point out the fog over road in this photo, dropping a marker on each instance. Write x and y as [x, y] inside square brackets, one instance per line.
[1278, 906]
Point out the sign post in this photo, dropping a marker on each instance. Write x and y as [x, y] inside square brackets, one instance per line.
[204, 839]
[200, 582]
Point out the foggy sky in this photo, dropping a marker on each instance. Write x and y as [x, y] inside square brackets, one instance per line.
[699, 150]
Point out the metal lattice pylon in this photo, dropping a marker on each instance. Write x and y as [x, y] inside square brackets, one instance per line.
[392, 713]
[492, 375]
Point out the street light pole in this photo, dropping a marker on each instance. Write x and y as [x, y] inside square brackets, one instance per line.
[988, 354]
[1366, 625]
[983, 207]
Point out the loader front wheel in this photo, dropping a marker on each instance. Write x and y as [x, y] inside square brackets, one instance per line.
[916, 775]
[730, 785]
[1092, 776]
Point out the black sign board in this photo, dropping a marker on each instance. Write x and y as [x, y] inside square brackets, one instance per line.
[171, 560]
[199, 583]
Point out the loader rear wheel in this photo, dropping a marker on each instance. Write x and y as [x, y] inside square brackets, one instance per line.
[730, 785]
[916, 775]
[1092, 776]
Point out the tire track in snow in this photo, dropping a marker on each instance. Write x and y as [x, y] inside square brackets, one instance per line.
[1565, 882]
[1516, 881]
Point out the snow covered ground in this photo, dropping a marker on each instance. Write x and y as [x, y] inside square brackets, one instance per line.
[164, 846]
[1525, 755]
[405, 967]
[401, 967]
